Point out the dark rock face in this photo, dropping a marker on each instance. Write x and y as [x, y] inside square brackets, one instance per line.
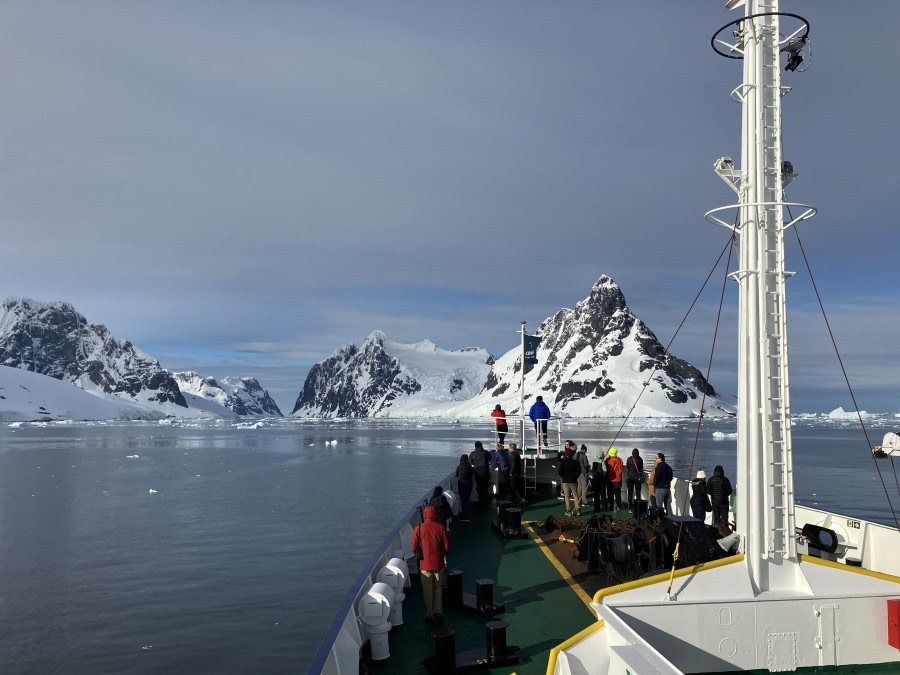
[250, 399]
[242, 395]
[52, 339]
[354, 382]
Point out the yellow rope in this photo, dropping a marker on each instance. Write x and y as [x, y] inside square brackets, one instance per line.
[674, 562]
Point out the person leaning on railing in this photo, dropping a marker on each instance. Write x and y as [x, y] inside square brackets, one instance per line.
[499, 416]
[662, 481]
[481, 460]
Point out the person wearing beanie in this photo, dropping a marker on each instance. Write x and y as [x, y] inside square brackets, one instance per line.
[634, 476]
[569, 470]
[614, 471]
[481, 460]
[700, 503]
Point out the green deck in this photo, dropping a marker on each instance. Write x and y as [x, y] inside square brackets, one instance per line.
[541, 608]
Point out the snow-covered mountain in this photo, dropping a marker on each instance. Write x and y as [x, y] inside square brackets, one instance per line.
[26, 397]
[241, 396]
[593, 361]
[51, 338]
[383, 378]
[54, 341]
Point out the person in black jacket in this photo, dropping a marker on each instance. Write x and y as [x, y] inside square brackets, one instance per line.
[634, 476]
[569, 470]
[699, 496]
[443, 510]
[465, 477]
[516, 475]
[662, 483]
[481, 460]
[599, 485]
[719, 488]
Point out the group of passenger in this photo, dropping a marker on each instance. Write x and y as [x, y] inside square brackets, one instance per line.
[431, 539]
[607, 475]
[474, 470]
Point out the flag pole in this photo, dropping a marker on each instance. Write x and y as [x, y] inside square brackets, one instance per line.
[522, 389]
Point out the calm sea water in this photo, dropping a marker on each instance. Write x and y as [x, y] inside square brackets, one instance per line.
[223, 548]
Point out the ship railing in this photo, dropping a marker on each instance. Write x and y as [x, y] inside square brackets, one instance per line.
[339, 650]
[525, 434]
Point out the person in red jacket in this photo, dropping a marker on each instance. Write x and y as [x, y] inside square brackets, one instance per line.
[499, 416]
[435, 543]
[614, 469]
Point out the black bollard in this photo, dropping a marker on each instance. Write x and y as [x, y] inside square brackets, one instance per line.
[502, 506]
[444, 650]
[484, 594]
[454, 588]
[495, 634]
[513, 519]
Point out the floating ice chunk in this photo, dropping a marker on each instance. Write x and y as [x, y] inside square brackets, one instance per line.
[132, 456]
[152, 491]
[722, 434]
[840, 414]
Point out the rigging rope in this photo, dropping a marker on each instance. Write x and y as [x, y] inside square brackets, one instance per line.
[727, 247]
[846, 378]
[712, 351]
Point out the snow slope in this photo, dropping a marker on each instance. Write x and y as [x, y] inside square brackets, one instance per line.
[27, 396]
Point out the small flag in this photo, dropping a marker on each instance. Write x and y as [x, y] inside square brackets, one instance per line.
[532, 342]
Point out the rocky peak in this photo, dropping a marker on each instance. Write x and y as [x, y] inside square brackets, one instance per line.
[53, 339]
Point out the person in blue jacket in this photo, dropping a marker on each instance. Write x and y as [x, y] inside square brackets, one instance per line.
[500, 461]
[539, 414]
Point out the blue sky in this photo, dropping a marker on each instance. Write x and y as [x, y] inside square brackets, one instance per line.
[240, 188]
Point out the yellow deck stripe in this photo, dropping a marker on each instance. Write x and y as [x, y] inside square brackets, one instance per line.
[847, 568]
[563, 572]
[574, 640]
[649, 581]
[579, 591]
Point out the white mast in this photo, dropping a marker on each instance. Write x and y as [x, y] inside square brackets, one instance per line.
[768, 609]
[765, 502]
